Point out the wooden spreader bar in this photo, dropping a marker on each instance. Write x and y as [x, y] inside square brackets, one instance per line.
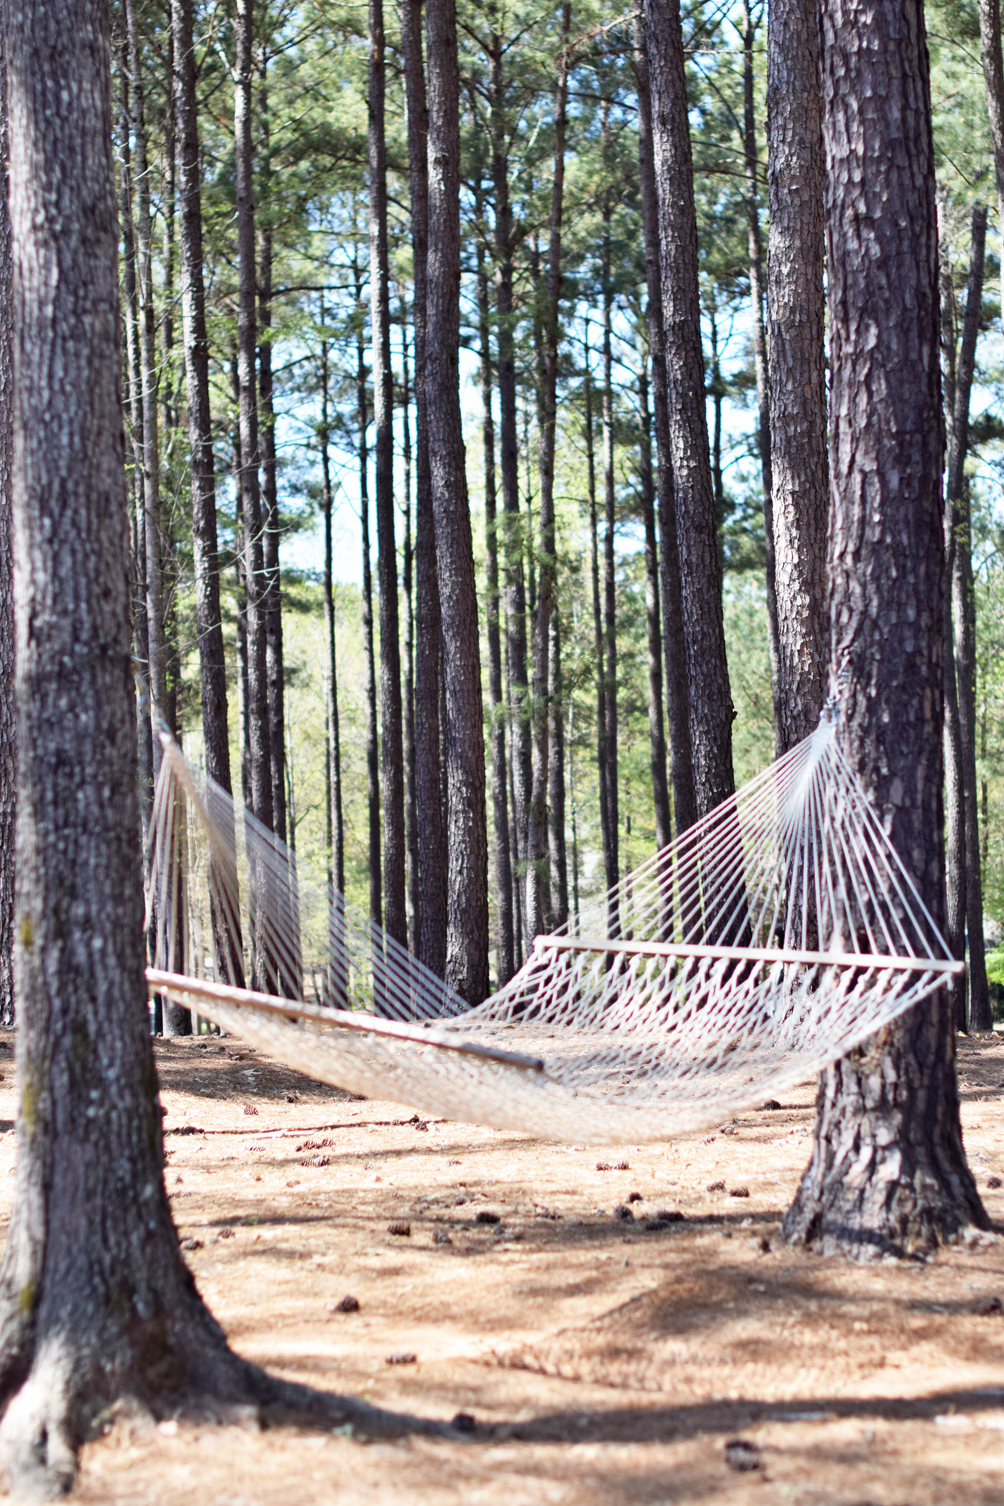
[748, 954]
[181, 988]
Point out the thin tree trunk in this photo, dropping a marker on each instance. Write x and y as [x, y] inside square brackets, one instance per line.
[656, 734]
[336, 818]
[208, 616]
[372, 735]
[710, 705]
[504, 941]
[955, 815]
[539, 880]
[674, 644]
[610, 763]
[428, 624]
[8, 727]
[888, 1171]
[467, 839]
[757, 280]
[594, 570]
[395, 916]
[272, 586]
[414, 884]
[558, 847]
[963, 609]
[796, 338]
[993, 75]
[168, 407]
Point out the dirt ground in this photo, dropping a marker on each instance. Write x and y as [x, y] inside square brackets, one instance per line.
[612, 1361]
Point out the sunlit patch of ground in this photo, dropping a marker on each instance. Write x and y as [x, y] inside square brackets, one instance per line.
[612, 1362]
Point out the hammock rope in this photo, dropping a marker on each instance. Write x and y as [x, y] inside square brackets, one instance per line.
[764, 943]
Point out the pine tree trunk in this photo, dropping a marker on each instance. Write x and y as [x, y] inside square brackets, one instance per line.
[395, 917]
[710, 706]
[757, 279]
[512, 531]
[656, 734]
[674, 644]
[504, 941]
[955, 816]
[993, 75]
[205, 550]
[796, 338]
[594, 573]
[335, 818]
[963, 610]
[611, 861]
[372, 734]
[428, 624]
[272, 593]
[414, 882]
[558, 847]
[8, 730]
[538, 875]
[467, 839]
[888, 1171]
[256, 708]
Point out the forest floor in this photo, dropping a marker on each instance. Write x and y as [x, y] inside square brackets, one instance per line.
[606, 1364]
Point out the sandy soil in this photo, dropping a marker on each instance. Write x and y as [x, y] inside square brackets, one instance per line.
[612, 1362]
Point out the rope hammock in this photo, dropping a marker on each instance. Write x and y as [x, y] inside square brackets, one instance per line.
[761, 945]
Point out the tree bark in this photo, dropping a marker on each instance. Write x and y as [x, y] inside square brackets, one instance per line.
[796, 320]
[336, 819]
[955, 815]
[395, 916]
[993, 75]
[594, 572]
[656, 734]
[372, 734]
[674, 643]
[414, 882]
[963, 611]
[710, 706]
[538, 875]
[888, 1173]
[611, 825]
[428, 623]
[205, 549]
[757, 279]
[504, 937]
[271, 603]
[512, 530]
[467, 840]
[557, 845]
[8, 730]
[256, 709]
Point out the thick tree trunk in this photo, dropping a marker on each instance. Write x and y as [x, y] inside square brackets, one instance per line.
[656, 733]
[504, 939]
[538, 875]
[674, 643]
[414, 881]
[757, 280]
[208, 617]
[512, 531]
[428, 624]
[796, 319]
[710, 698]
[888, 1171]
[467, 838]
[372, 734]
[611, 831]
[272, 592]
[256, 709]
[963, 610]
[993, 75]
[395, 917]
[8, 730]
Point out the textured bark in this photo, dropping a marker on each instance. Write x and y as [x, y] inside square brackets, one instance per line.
[888, 1171]
[335, 818]
[674, 644]
[538, 875]
[467, 838]
[993, 75]
[757, 280]
[428, 624]
[256, 708]
[611, 830]
[512, 531]
[414, 881]
[557, 844]
[205, 550]
[372, 735]
[8, 733]
[796, 317]
[710, 706]
[594, 573]
[963, 610]
[955, 816]
[392, 761]
[271, 604]
[504, 938]
[656, 734]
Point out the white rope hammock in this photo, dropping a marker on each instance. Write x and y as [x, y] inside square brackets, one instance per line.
[763, 944]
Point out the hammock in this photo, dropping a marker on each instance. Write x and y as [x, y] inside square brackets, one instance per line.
[764, 943]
